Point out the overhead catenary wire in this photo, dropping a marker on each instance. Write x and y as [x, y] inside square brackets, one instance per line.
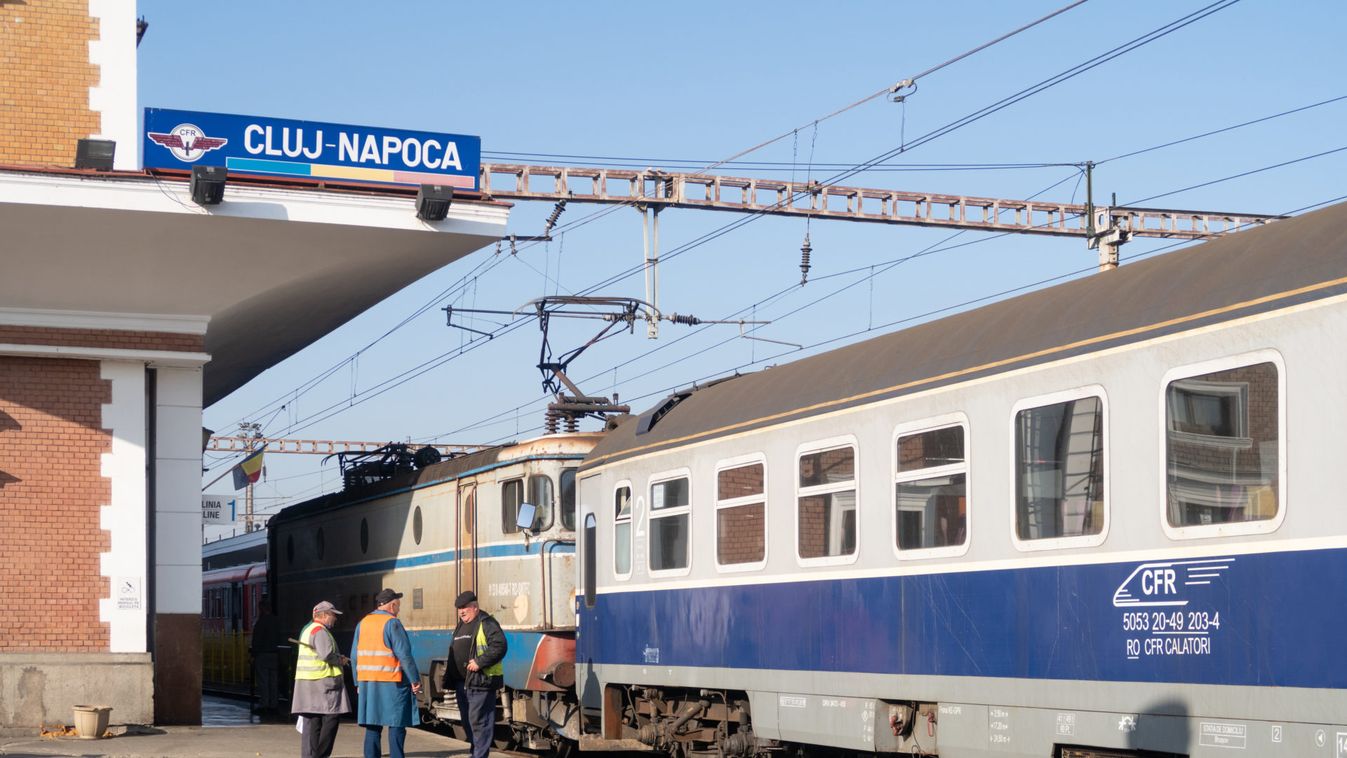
[1127, 47]
[885, 266]
[599, 214]
[915, 317]
[644, 161]
[1065, 75]
[945, 309]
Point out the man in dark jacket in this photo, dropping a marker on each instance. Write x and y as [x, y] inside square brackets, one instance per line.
[475, 672]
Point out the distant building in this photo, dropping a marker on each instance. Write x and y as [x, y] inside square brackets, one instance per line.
[124, 308]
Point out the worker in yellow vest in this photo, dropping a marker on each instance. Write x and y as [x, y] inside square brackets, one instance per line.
[474, 670]
[320, 695]
[387, 680]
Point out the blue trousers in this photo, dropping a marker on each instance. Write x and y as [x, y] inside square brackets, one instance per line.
[478, 709]
[397, 736]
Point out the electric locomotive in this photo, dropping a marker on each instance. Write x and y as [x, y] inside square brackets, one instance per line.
[435, 531]
[1101, 519]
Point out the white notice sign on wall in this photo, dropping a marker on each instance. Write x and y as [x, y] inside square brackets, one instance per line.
[128, 593]
[217, 509]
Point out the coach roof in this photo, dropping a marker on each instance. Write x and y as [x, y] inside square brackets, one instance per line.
[1283, 263]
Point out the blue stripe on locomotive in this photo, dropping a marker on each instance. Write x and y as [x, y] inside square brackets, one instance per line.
[421, 561]
[1280, 615]
[521, 647]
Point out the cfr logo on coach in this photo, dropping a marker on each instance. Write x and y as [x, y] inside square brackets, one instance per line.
[1167, 584]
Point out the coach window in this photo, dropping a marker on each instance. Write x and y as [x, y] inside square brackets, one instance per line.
[1060, 483]
[826, 511]
[741, 505]
[568, 499]
[511, 495]
[931, 490]
[1223, 454]
[622, 531]
[417, 525]
[670, 523]
[540, 494]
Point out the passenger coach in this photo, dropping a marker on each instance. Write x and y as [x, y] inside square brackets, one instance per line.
[1099, 519]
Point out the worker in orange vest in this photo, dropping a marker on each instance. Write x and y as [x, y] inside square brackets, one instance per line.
[387, 680]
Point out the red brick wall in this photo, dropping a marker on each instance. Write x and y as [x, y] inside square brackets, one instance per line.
[51, 488]
[44, 87]
[107, 338]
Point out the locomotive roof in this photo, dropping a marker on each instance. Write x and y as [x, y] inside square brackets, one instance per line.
[1286, 262]
[453, 468]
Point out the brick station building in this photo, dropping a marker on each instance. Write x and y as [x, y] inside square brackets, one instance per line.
[125, 308]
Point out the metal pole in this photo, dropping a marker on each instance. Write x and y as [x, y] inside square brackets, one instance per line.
[652, 329]
[1089, 199]
[652, 315]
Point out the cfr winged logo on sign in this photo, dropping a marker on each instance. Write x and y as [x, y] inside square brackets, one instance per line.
[187, 142]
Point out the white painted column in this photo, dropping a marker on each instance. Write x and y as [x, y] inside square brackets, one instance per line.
[177, 491]
[114, 98]
[124, 517]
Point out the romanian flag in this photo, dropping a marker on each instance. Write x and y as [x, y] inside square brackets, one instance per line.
[248, 471]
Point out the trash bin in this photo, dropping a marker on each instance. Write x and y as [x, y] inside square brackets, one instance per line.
[91, 721]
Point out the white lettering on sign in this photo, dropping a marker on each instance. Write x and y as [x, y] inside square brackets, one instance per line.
[793, 701]
[1223, 735]
[1341, 751]
[1066, 725]
[369, 148]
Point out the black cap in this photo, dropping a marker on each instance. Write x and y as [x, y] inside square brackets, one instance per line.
[464, 598]
[385, 596]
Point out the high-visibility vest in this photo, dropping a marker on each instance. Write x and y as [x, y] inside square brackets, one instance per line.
[309, 665]
[374, 660]
[495, 669]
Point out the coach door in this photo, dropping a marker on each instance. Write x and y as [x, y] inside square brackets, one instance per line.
[465, 547]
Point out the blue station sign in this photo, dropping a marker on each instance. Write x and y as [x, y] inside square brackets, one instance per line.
[284, 147]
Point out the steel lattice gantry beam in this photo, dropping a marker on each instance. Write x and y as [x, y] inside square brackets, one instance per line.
[654, 188]
[318, 447]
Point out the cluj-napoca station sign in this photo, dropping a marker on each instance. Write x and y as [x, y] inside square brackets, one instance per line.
[283, 147]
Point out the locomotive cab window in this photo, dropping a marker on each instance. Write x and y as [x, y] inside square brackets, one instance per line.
[622, 530]
[541, 495]
[741, 512]
[670, 525]
[568, 499]
[826, 513]
[1223, 447]
[1060, 470]
[511, 496]
[931, 490]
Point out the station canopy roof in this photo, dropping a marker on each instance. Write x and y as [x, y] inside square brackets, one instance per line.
[268, 271]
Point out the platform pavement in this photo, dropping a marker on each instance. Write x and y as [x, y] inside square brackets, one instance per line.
[257, 740]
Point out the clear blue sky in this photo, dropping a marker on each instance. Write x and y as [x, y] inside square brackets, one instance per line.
[704, 80]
